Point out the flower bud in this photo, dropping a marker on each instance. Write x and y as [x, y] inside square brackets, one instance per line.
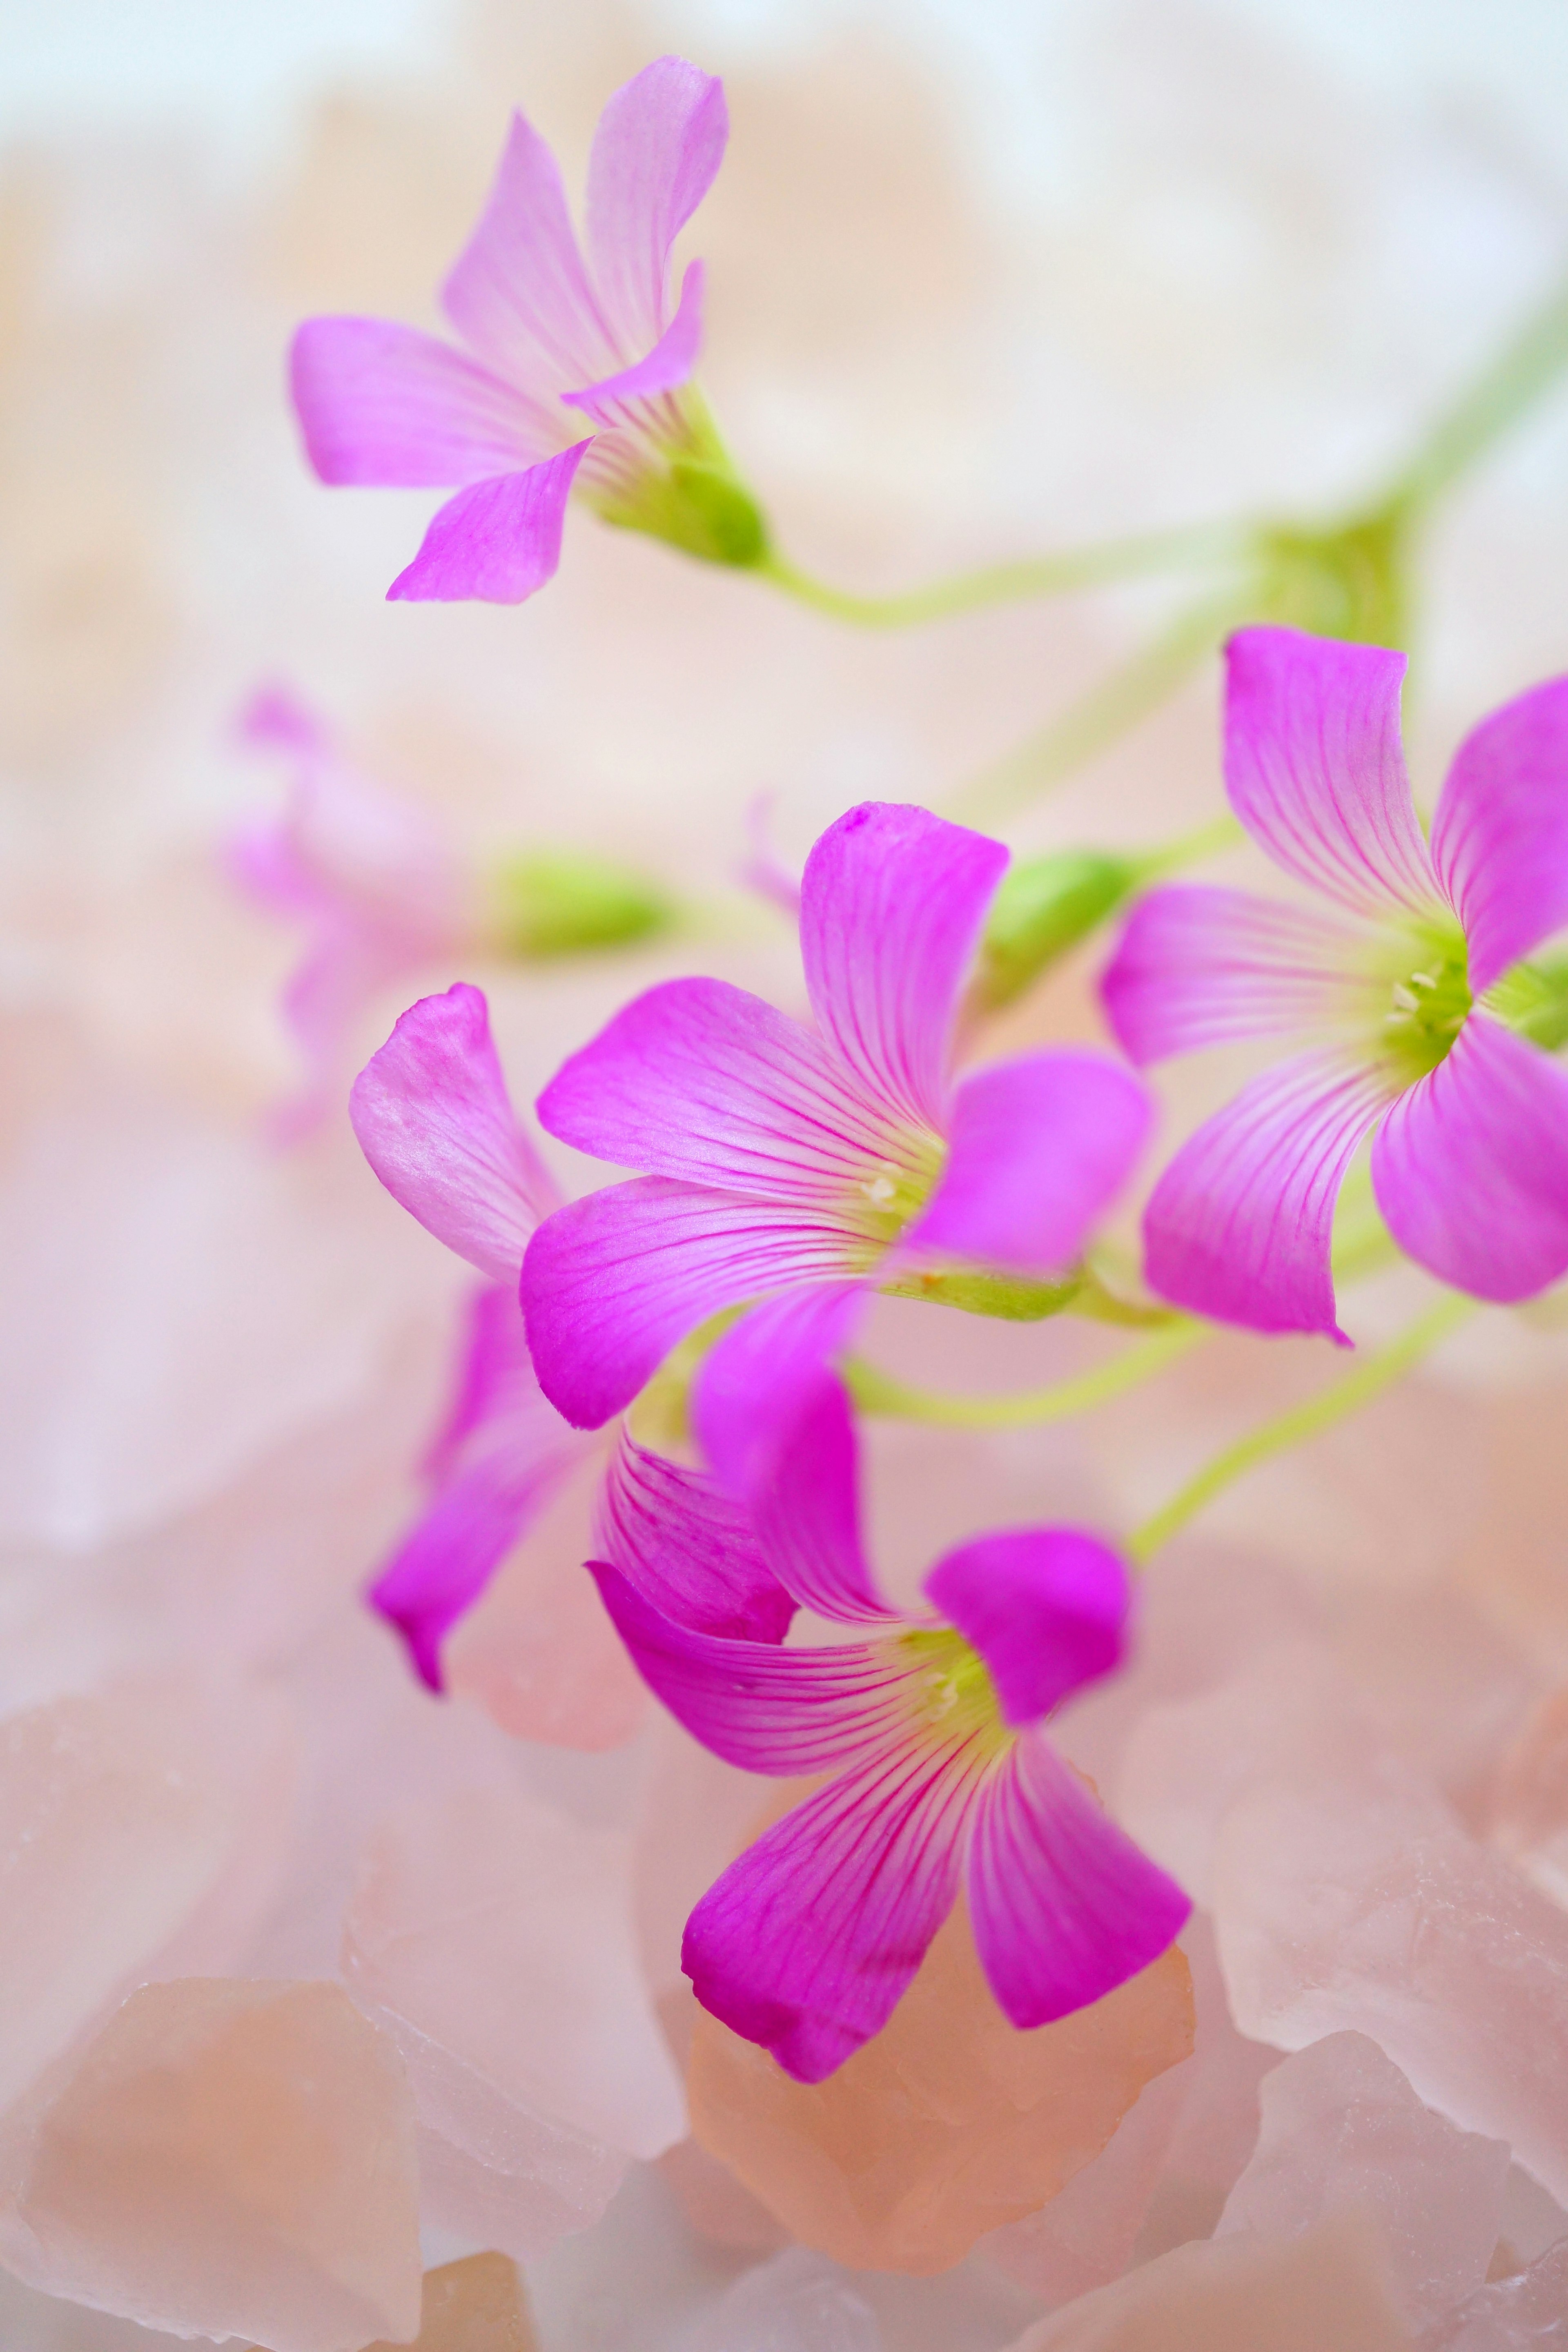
[1043, 908]
[554, 902]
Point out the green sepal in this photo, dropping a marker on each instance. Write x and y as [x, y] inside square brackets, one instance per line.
[558, 902]
[700, 505]
[1044, 907]
[977, 1293]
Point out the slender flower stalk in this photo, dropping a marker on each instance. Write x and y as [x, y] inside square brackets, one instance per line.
[876, 1391]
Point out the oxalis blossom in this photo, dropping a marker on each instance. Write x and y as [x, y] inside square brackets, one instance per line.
[943, 1779]
[576, 374]
[1414, 1005]
[796, 1168]
[434, 1119]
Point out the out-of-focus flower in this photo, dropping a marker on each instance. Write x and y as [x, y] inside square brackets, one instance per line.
[806, 1166]
[580, 373]
[1423, 1014]
[943, 1778]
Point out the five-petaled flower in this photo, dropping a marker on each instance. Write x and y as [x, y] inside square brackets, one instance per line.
[1404, 993]
[578, 369]
[931, 1726]
[801, 1166]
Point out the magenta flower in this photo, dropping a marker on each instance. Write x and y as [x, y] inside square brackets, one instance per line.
[804, 1166]
[577, 366]
[434, 1121]
[931, 1726]
[375, 886]
[1397, 995]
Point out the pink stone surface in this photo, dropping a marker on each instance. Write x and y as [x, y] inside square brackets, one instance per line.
[1527, 1809]
[1527, 2313]
[477, 2305]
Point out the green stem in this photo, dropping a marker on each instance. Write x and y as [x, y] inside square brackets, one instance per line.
[1482, 414]
[1208, 840]
[1369, 1379]
[876, 1392]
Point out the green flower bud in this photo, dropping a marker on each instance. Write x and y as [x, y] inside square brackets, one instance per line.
[1533, 1000]
[1043, 908]
[555, 902]
[977, 1293]
[1347, 583]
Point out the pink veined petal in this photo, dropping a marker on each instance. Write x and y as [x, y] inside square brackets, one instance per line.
[660, 140]
[1039, 1148]
[1471, 1167]
[1240, 1226]
[1314, 768]
[434, 1121]
[1064, 1907]
[381, 403]
[807, 1942]
[611, 1283]
[518, 292]
[1045, 1608]
[700, 1080]
[667, 365]
[759, 1705]
[892, 905]
[1499, 839]
[495, 1374]
[688, 1546]
[497, 542]
[1197, 966]
[754, 1389]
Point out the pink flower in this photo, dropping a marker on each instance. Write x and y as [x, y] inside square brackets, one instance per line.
[577, 367]
[942, 1776]
[1398, 992]
[434, 1121]
[376, 888]
[804, 1166]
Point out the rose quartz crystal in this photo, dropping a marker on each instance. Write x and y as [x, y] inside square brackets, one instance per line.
[474, 2305]
[950, 2122]
[1528, 1815]
[796, 2303]
[1527, 2313]
[226, 2158]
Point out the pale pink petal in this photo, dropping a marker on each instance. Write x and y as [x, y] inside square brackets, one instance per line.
[1063, 1906]
[1045, 1608]
[892, 905]
[434, 1121]
[688, 1546]
[611, 1282]
[277, 720]
[381, 403]
[763, 869]
[1499, 839]
[1241, 1223]
[763, 1376]
[346, 968]
[699, 1080]
[1314, 768]
[807, 1942]
[667, 365]
[1197, 966]
[496, 542]
[660, 140]
[1038, 1149]
[519, 293]
[1471, 1167]
[494, 1372]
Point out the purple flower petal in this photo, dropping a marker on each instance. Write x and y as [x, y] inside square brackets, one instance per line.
[1240, 1224]
[494, 1368]
[1063, 1906]
[807, 1943]
[760, 1707]
[1499, 839]
[381, 403]
[892, 905]
[1199, 967]
[1471, 1167]
[1045, 1608]
[688, 1546]
[660, 140]
[496, 540]
[519, 293]
[1314, 769]
[434, 1119]
[763, 1377]
[667, 365]
[699, 1080]
[611, 1283]
[1039, 1148]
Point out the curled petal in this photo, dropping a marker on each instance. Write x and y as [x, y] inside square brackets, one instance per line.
[1045, 1608]
[892, 905]
[519, 293]
[1240, 1226]
[762, 1378]
[1039, 1148]
[807, 1942]
[1064, 1907]
[688, 1546]
[496, 542]
[1500, 838]
[1471, 1167]
[1197, 966]
[660, 140]
[667, 365]
[381, 403]
[1314, 768]
[434, 1119]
